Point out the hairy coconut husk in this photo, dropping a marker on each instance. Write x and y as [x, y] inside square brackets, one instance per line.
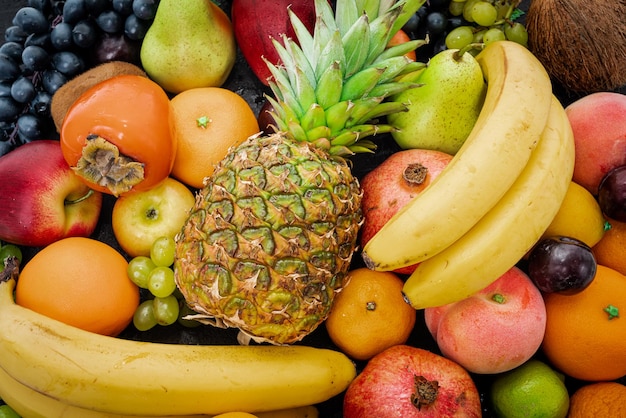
[581, 43]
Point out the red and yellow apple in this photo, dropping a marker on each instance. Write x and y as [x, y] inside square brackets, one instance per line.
[410, 382]
[598, 121]
[393, 183]
[494, 330]
[42, 200]
[139, 218]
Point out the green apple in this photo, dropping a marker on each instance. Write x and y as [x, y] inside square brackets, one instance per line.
[138, 219]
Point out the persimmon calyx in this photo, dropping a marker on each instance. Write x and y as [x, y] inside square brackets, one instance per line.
[101, 163]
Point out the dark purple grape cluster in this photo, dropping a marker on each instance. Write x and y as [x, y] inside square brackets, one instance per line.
[52, 41]
[433, 22]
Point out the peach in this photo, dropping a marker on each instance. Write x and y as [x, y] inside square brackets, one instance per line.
[494, 330]
[393, 183]
[599, 124]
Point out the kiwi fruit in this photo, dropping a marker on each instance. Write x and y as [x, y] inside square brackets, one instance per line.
[581, 43]
[67, 94]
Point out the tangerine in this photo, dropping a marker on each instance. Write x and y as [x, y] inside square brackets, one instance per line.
[611, 249]
[81, 282]
[401, 37]
[585, 335]
[370, 315]
[207, 121]
[600, 399]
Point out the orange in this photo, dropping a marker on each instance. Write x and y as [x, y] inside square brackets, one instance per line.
[207, 122]
[82, 282]
[585, 335]
[601, 399]
[401, 37]
[611, 249]
[370, 314]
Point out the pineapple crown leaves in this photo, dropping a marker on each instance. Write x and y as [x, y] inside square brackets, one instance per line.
[332, 85]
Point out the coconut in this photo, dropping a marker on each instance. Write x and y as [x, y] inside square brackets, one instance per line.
[581, 43]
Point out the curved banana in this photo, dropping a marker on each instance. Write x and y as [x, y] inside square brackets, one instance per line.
[507, 232]
[514, 113]
[126, 377]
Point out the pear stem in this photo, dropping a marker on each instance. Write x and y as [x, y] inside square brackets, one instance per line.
[80, 199]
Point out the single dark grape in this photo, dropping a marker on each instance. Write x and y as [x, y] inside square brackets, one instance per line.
[40, 104]
[23, 90]
[145, 9]
[52, 80]
[31, 20]
[9, 109]
[38, 39]
[110, 21]
[85, 33]
[116, 47]
[436, 22]
[412, 24]
[68, 63]
[35, 58]
[9, 69]
[123, 7]
[30, 128]
[612, 194]
[561, 265]
[12, 50]
[15, 34]
[74, 11]
[61, 36]
[5, 88]
[135, 28]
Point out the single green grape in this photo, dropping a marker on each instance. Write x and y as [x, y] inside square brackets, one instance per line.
[9, 250]
[184, 311]
[166, 309]
[467, 10]
[161, 281]
[484, 13]
[139, 269]
[492, 35]
[459, 37]
[144, 318]
[516, 32]
[455, 8]
[162, 251]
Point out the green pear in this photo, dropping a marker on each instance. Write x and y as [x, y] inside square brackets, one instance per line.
[190, 44]
[443, 109]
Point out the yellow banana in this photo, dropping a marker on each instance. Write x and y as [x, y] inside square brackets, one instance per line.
[504, 235]
[514, 113]
[31, 404]
[126, 377]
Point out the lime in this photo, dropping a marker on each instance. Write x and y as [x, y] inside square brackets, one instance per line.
[531, 390]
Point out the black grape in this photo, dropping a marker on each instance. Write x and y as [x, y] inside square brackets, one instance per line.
[35, 58]
[61, 36]
[40, 104]
[9, 109]
[145, 9]
[9, 69]
[29, 128]
[15, 34]
[12, 50]
[23, 90]
[84, 34]
[31, 20]
[135, 28]
[110, 21]
[68, 63]
[52, 80]
[74, 11]
[123, 7]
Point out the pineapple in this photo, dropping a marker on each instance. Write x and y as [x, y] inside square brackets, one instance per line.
[271, 236]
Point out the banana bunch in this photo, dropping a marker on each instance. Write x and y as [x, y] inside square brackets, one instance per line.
[496, 197]
[50, 369]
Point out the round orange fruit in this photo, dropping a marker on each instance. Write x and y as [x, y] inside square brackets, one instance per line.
[207, 121]
[370, 314]
[600, 399]
[81, 282]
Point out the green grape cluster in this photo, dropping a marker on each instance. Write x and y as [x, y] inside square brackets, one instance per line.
[487, 21]
[155, 274]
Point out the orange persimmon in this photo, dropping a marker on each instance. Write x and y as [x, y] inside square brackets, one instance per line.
[117, 136]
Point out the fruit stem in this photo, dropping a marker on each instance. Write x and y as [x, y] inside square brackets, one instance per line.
[80, 199]
[458, 55]
[425, 393]
[498, 298]
[613, 311]
[415, 174]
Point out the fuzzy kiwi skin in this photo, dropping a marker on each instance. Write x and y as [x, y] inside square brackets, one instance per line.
[67, 94]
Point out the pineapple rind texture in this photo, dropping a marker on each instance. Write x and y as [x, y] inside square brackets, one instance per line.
[270, 239]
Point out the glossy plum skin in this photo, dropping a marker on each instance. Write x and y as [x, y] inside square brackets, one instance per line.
[561, 265]
[612, 194]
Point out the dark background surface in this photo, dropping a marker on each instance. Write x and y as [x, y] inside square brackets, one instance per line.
[244, 83]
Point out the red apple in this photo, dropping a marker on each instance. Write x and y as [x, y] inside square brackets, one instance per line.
[496, 329]
[139, 218]
[393, 183]
[409, 382]
[42, 200]
[599, 124]
[257, 22]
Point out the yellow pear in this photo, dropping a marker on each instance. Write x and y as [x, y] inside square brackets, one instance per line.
[190, 44]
